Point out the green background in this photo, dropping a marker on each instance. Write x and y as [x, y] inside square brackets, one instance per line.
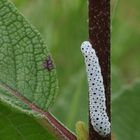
[63, 25]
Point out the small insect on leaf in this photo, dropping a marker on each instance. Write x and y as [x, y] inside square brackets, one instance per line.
[48, 64]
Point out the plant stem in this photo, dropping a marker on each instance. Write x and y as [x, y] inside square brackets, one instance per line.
[58, 129]
[99, 36]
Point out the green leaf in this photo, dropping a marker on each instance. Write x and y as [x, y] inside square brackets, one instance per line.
[18, 126]
[25, 80]
[125, 113]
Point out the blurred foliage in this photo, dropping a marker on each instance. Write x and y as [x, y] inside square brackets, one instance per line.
[63, 25]
[125, 39]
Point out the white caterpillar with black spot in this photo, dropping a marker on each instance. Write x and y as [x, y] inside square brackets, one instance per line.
[97, 105]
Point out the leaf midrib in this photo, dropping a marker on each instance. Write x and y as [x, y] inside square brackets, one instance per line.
[18, 95]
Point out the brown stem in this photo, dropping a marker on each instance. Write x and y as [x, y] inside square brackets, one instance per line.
[60, 131]
[99, 36]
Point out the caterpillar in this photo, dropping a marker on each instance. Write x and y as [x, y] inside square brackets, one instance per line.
[97, 105]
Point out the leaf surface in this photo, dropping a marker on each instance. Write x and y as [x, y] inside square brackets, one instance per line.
[27, 71]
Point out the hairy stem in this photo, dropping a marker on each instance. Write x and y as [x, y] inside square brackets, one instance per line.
[99, 36]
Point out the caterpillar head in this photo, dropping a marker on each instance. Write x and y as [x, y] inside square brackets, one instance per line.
[86, 48]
